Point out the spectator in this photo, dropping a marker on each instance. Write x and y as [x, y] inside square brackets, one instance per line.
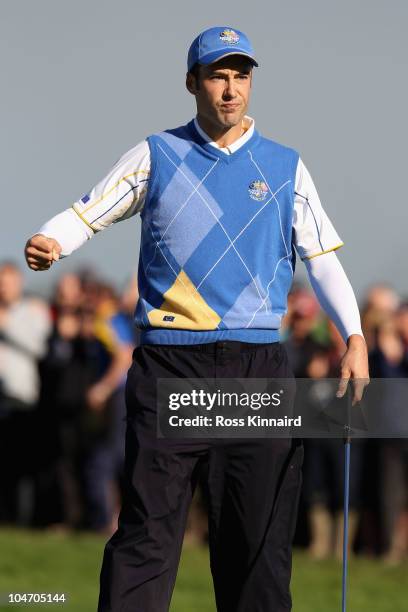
[69, 294]
[115, 328]
[315, 348]
[300, 329]
[381, 303]
[324, 478]
[82, 404]
[61, 370]
[389, 360]
[24, 328]
[108, 341]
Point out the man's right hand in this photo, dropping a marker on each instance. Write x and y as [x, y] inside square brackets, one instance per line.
[41, 252]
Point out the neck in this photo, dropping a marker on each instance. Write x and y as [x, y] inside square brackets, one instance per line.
[222, 136]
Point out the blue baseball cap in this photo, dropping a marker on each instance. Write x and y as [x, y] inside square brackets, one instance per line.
[215, 43]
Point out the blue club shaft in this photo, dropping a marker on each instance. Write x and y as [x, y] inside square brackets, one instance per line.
[347, 445]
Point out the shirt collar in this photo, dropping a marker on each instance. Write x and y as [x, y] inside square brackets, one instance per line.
[249, 126]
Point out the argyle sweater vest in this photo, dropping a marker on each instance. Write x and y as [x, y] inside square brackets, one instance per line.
[216, 256]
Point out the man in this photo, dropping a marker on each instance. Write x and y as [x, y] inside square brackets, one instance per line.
[24, 329]
[222, 208]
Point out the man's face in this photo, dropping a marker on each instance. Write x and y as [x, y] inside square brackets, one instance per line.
[11, 285]
[222, 91]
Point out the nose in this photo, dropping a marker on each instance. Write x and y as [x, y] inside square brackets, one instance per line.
[230, 91]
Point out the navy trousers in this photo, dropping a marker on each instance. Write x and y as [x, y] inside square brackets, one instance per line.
[253, 485]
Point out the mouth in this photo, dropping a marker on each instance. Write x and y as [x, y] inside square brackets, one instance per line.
[229, 108]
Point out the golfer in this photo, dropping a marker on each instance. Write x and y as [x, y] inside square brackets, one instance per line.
[223, 211]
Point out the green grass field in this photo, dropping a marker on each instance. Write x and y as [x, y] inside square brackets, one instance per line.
[44, 562]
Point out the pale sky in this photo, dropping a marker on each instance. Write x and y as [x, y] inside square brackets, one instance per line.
[82, 82]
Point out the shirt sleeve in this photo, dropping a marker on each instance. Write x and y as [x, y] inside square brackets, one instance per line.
[68, 230]
[121, 194]
[335, 294]
[314, 233]
[123, 327]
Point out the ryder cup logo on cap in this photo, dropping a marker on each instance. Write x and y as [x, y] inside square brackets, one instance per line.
[229, 37]
[216, 43]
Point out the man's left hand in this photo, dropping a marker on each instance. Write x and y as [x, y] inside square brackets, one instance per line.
[354, 365]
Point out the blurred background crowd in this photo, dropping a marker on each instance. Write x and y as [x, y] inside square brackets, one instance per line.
[63, 367]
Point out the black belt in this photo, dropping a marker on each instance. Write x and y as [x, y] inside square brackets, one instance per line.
[225, 346]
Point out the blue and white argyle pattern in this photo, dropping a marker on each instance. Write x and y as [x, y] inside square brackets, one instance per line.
[216, 257]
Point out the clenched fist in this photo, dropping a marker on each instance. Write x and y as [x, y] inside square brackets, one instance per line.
[41, 252]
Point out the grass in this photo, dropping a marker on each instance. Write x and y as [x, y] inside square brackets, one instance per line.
[49, 562]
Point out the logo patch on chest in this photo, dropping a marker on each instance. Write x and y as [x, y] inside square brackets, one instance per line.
[258, 190]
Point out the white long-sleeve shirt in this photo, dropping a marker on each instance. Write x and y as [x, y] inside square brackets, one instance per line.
[121, 194]
[23, 340]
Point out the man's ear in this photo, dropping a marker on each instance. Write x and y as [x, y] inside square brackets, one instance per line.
[191, 83]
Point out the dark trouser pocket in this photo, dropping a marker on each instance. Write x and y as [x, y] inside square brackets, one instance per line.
[284, 518]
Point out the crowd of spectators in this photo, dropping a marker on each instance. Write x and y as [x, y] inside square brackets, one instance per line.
[63, 367]
[378, 520]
